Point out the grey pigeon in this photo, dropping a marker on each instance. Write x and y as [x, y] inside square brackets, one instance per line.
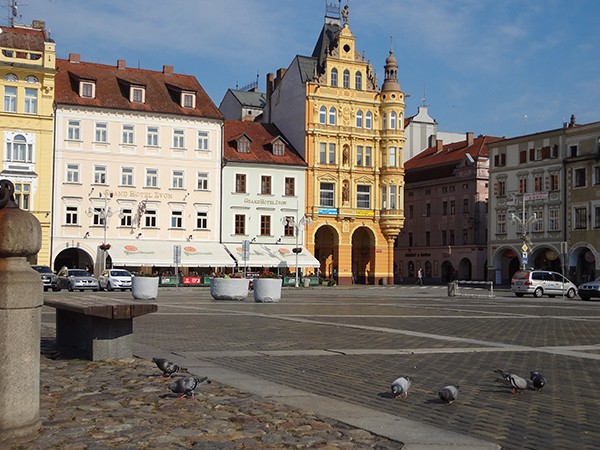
[167, 367]
[516, 382]
[448, 394]
[400, 386]
[538, 381]
[187, 385]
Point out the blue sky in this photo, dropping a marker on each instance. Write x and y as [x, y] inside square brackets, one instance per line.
[496, 67]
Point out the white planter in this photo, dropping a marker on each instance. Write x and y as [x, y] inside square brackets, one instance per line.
[267, 290]
[229, 288]
[144, 288]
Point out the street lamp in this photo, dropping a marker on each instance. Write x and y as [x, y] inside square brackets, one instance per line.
[524, 223]
[103, 215]
[298, 224]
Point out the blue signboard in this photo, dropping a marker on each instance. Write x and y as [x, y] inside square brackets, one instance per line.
[328, 211]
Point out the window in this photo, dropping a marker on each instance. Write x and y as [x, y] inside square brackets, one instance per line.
[522, 185]
[240, 224]
[326, 195]
[502, 187]
[137, 95]
[243, 145]
[538, 224]
[359, 119]
[98, 216]
[359, 155]
[178, 136]
[363, 196]
[176, 219]
[393, 197]
[323, 115]
[290, 187]
[87, 89]
[580, 218]
[72, 173]
[410, 240]
[596, 216]
[346, 79]
[152, 136]
[72, 215]
[202, 220]
[73, 130]
[323, 153]
[126, 176]
[150, 218]
[500, 160]
[240, 183]
[128, 134]
[10, 99]
[265, 185]
[151, 178]
[538, 183]
[11, 77]
[451, 240]
[368, 120]
[202, 140]
[465, 236]
[427, 238]
[392, 120]
[444, 208]
[331, 154]
[553, 219]
[288, 226]
[101, 132]
[332, 116]
[368, 156]
[126, 216]
[334, 77]
[31, 96]
[572, 151]
[596, 180]
[427, 209]
[452, 207]
[358, 81]
[579, 177]
[177, 180]
[384, 121]
[202, 181]
[189, 100]
[501, 222]
[265, 225]
[278, 148]
[465, 206]
[22, 195]
[99, 174]
[444, 237]
[392, 157]
[19, 150]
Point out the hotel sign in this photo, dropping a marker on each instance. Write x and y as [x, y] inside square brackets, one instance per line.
[328, 211]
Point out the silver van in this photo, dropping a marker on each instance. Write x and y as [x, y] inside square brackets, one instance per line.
[541, 282]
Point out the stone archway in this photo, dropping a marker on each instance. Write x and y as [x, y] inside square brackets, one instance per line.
[448, 273]
[326, 249]
[73, 258]
[546, 258]
[363, 256]
[465, 269]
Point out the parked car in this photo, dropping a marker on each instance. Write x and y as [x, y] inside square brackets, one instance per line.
[49, 278]
[541, 282]
[589, 289]
[72, 279]
[112, 279]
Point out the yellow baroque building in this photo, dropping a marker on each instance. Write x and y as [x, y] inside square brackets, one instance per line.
[351, 134]
[27, 71]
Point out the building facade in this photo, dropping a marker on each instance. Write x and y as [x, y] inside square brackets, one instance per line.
[350, 133]
[247, 105]
[27, 77]
[137, 169]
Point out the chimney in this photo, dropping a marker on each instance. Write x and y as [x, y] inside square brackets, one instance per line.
[280, 74]
[270, 85]
[120, 63]
[38, 24]
[439, 145]
[74, 58]
[168, 70]
[469, 138]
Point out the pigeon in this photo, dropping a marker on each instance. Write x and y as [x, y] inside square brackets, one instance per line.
[538, 381]
[516, 382]
[187, 385]
[400, 386]
[448, 394]
[167, 367]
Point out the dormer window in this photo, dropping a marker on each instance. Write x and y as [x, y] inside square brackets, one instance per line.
[137, 94]
[87, 89]
[243, 144]
[188, 100]
[278, 147]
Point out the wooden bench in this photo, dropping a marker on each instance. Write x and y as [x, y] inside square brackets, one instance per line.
[97, 328]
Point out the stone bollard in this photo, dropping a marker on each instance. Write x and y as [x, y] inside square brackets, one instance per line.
[21, 299]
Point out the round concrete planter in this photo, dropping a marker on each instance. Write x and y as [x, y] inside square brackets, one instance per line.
[229, 288]
[144, 288]
[267, 290]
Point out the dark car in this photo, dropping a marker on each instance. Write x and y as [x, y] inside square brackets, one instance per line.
[73, 279]
[589, 289]
[49, 278]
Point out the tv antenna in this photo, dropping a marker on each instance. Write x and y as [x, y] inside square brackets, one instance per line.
[13, 12]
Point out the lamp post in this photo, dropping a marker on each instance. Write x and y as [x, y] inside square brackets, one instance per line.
[524, 223]
[297, 224]
[103, 214]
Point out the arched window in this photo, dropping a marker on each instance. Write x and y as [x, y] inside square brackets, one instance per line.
[31, 79]
[384, 121]
[334, 77]
[400, 121]
[368, 120]
[323, 115]
[332, 116]
[18, 149]
[11, 77]
[359, 119]
[392, 157]
[358, 80]
[392, 120]
[346, 79]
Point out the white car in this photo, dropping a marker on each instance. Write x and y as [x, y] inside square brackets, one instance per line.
[542, 282]
[112, 279]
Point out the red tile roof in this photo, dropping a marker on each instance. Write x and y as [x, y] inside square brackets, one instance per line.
[23, 38]
[162, 89]
[261, 136]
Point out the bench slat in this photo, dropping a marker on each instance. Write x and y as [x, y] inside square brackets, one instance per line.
[108, 308]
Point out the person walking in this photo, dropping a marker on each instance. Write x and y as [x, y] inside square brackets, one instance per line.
[420, 277]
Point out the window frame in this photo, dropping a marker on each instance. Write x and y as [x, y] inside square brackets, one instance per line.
[71, 215]
[241, 184]
[100, 174]
[127, 176]
[177, 179]
[363, 196]
[151, 179]
[266, 185]
[327, 194]
[202, 181]
[202, 220]
[10, 99]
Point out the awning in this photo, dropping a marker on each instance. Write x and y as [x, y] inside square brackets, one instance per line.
[259, 256]
[161, 253]
[288, 257]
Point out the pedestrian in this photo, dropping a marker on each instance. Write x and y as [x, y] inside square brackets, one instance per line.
[420, 277]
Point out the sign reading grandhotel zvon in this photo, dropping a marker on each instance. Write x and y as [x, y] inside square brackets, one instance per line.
[143, 194]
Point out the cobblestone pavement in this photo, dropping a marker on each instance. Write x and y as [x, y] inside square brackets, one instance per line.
[347, 345]
[127, 405]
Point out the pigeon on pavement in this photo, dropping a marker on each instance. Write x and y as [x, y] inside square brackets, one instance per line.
[516, 382]
[400, 386]
[167, 367]
[538, 381]
[187, 385]
[448, 394]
